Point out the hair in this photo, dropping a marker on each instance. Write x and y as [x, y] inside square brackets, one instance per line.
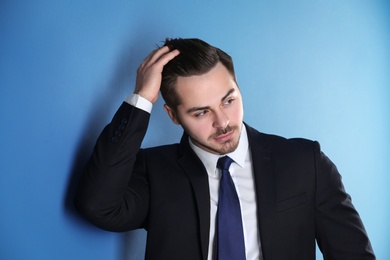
[196, 58]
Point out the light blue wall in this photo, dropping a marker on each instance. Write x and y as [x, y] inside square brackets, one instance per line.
[315, 69]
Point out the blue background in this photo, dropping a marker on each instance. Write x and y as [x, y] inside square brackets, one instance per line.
[314, 69]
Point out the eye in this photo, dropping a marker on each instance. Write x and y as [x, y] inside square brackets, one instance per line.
[228, 101]
[201, 113]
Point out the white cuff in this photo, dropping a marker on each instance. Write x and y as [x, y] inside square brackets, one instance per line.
[140, 102]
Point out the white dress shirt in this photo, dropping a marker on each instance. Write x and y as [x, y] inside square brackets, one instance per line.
[242, 175]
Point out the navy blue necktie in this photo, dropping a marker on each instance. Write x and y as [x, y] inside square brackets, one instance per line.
[230, 235]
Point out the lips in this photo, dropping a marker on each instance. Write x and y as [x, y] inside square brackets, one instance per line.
[224, 137]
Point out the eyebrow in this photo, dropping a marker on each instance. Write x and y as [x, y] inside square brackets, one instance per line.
[193, 109]
[227, 94]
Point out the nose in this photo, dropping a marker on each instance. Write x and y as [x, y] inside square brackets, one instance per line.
[221, 120]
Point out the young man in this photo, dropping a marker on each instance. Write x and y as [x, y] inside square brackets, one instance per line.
[284, 194]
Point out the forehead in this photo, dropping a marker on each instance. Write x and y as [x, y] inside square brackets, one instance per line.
[205, 89]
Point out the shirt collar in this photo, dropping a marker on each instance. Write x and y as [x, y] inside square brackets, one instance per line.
[210, 160]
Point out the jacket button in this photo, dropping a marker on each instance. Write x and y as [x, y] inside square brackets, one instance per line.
[118, 133]
[114, 140]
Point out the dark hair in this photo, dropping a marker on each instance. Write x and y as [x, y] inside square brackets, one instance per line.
[196, 58]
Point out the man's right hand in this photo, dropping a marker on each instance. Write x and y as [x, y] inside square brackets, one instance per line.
[149, 73]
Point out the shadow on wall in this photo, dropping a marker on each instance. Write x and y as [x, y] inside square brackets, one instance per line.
[133, 242]
[97, 119]
[133, 245]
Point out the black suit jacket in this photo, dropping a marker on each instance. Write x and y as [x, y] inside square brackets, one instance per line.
[299, 194]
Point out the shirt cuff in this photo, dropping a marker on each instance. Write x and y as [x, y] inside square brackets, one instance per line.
[140, 102]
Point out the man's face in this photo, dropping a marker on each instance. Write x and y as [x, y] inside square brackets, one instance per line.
[211, 110]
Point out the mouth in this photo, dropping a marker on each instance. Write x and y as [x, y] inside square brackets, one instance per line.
[224, 137]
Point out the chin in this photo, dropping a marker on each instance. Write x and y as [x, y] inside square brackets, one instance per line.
[227, 148]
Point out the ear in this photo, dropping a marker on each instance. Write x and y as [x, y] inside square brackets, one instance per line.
[172, 114]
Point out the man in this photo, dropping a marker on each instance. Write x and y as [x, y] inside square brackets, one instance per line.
[289, 193]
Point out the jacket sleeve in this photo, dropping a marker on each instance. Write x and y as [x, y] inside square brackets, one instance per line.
[110, 194]
[339, 230]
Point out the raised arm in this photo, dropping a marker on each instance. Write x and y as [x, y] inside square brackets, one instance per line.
[110, 194]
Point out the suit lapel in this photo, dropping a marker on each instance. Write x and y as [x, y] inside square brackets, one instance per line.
[265, 186]
[193, 167]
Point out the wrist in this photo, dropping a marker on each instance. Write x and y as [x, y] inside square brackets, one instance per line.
[152, 98]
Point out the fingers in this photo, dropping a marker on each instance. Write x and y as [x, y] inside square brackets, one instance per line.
[159, 58]
[149, 73]
[157, 54]
[167, 57]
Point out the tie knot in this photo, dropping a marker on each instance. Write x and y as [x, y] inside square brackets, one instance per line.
[224, 163]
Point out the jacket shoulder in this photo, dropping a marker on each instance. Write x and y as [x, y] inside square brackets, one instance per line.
[276, 143]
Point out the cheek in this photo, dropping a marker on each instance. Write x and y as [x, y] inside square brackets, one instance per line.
[237, 115]
[199, 128]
